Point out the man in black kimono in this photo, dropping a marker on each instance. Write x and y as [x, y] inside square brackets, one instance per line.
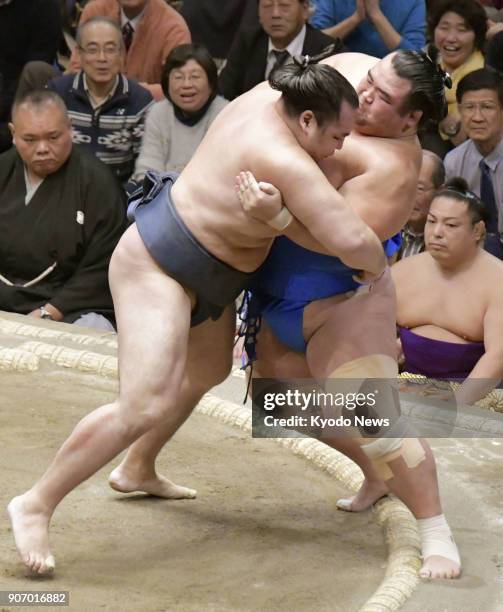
[61, 215]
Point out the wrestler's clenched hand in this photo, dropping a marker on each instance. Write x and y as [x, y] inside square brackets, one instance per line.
[260, 200]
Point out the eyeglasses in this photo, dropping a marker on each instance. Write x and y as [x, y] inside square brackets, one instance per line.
[95, 51]
[179, 77]
[485, 108]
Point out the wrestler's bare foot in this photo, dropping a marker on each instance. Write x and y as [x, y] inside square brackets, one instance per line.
[30, 527]
[127, 482]
[436, 567]
[369, 493]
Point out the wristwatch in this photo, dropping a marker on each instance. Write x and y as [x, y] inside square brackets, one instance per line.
[45, 314]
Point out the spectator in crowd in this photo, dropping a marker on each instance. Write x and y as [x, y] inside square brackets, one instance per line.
[61, 215]
[458, 29]
[150, 29]
[431, 177]
[175, 126]
[479, 160]
[214, 23]
[29, 30]
[447, 331]
[494, 52]
[107, 110]
[257, 51]
[375, 27]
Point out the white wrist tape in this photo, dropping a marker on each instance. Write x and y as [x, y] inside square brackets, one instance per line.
[282, 220]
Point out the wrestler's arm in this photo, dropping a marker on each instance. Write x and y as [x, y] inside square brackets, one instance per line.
[319, 208]
[488, 370]
[383, 186]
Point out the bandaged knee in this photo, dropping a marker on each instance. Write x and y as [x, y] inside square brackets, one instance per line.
[369, 366]
[376, 378]
[385, 450]
[436, 539]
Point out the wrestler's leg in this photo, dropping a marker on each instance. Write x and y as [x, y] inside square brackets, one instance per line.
[153, 314]
[275, 360]
[209, 362]
[363, 327]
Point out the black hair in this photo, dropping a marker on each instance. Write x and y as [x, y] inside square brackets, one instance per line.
[38, 99]
[438, 174]
[470, 10]
[457, 188]
[308, 85]
[494, 53]
[98, 19]
[180, 55]
[483, 78]
[428, 82]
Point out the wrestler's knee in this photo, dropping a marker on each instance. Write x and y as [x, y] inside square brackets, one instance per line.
[138, 416]
[384, 451]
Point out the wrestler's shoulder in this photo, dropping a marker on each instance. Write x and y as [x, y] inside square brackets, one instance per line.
[489, 270]
[419, 264]
[354, 66]
[388, 152]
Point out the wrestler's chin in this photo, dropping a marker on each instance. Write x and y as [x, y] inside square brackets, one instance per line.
[438, 252]
[363, 127]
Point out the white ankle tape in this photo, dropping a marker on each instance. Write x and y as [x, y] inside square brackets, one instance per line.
[436, 538]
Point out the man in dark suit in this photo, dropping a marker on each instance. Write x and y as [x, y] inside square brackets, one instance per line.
[257, 51]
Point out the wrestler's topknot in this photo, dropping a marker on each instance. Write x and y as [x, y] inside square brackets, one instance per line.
[307, 85]
[457, 188]
[428, 82]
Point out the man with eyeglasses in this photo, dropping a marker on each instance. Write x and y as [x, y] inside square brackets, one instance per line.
[479, 160]
[258, 50]
[106, 108]
[431, 177]
[61, 215]
[151, 29]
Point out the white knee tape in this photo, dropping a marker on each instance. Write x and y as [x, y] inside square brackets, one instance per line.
[436, 539]
[370, 366]
[378, 449]
[385, 450]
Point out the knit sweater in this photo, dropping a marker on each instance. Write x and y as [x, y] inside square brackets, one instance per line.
[161, 28]
[167, 143]
[112, 131]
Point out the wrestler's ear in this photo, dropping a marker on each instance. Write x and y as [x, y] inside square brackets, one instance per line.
[306, 120]
[413, 119]
[12, 130]
[479, 229]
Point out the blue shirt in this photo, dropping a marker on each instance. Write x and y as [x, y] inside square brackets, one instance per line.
[408, 17]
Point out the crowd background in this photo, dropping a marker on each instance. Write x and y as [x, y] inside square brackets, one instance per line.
[142, 80]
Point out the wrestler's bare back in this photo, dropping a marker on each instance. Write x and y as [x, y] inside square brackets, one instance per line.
[254, 137]
[249, 132]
